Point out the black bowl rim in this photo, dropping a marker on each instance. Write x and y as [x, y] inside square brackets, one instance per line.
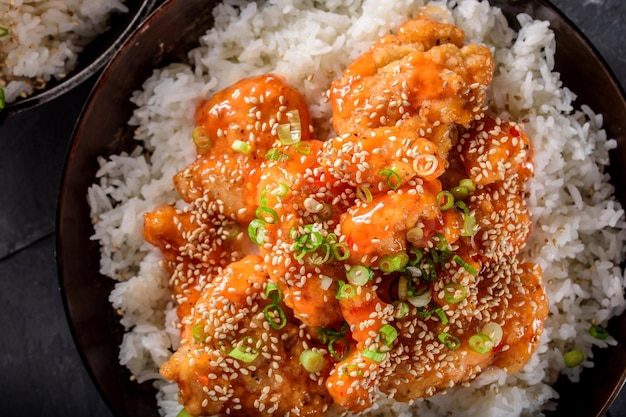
[76, 77]
[119, 48]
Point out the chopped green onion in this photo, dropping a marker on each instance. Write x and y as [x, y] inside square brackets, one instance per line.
[402, 309]
[392, 263]
[459, 192]
[312, 361]
[442, 315]
[599, 332]
[425, 165]
[451, 341]
[429, 271]
[273, 293]
[281, 189]
[303, 148]
[230, 232]
[363, 193]
[454, 293]
[420, 300]
[290, 133]
[445, 200]
[469, 184]
[268, 215]
[341, 251]
[465, 265]
[198, 333]
[276, 155]
[245, 351]
[256, 231]
[469, 225]
[359, 275]
[388, 334]
[318, 259]
[241, 146]
[373, 355]
[574, 358]
[418, 255]
[183, 413]
[201, 137]
[415, 235]
[462, 206]
[392, 178]
[272, 312]
[494, 331]
[481, 343]
[333, 351]
[2, 99]
[423, 313]
[345, 290]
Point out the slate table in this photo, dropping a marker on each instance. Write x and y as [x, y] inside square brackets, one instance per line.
[41, 373]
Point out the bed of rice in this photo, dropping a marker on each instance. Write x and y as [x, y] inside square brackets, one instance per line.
[578, 227]
[44, 39]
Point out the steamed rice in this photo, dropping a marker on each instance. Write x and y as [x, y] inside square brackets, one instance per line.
[44, 39]
[578, 230]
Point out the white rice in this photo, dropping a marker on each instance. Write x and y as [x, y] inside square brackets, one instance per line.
[45, 38]
[578, 230]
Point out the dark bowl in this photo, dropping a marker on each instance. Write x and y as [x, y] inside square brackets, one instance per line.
[102, 129]
[93, 57]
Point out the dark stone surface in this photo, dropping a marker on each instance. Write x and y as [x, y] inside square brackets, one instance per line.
[41, 371]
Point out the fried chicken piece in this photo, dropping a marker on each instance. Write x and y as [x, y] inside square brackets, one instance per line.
[423, 79]
[240, 355]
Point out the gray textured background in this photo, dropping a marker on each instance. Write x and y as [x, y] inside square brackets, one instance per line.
[41, 373]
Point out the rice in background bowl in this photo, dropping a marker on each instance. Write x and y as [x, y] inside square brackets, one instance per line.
[578, 231]
[49, 47]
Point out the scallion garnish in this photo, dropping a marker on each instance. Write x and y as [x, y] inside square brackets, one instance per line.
[201, 137]
[268, 215]
[422, 299]
[276, 155]
[273, 293]
[598, 332]
[459, 192]
[2, 99]
[183, 413]
[392, 263]
[415, 235]
[451, 341]
[461, 262]
[303, 148]
[425, 165]
[373, 355]
[290, 133]
[402, 309]
[445, 200]
[198, 333]
[230, 232]
[454, 293]
[345, 290]
[574, 358]
[312, 361]
[388, 334]
[468, 184]
[281, 189]
[392, 178]
[363, 193]
[443, 317]
[494, 331]
[275, 316]
[359, 275]
[480, 343]
[241, 146]
[340, 251]
[245, 350]
[256, 231]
